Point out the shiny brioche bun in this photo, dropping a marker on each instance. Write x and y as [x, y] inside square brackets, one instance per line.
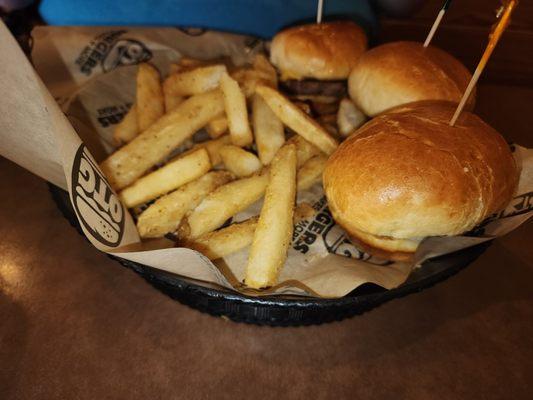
[403, 72]
[326, 51]
[408, 174]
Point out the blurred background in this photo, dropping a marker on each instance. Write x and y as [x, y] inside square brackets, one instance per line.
[463, 32]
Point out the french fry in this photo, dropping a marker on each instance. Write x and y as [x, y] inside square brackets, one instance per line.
[174, 68]
[150, 101]
[165, 214]
[235, 105]
[195, 81]
[225, 241]
[185, 64]
[273, 234]
[268, 130]
[237, 236]
[310, 172]
[128, 128]
[152, 146]
[303, 211]
[249, 79]
[167, 178]
[261, 63]
[188, 62]
[225, 202]
[241, 162]
[217, 127]
[305, 107]
[304, 149]
[297, 120]
[213, 148]
[172, 101]
[349, 117]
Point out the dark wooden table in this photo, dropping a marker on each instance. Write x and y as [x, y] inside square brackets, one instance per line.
[76, 325]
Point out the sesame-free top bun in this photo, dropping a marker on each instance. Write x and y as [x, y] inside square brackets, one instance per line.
[408, 174]
[326, 51]
[403, 72]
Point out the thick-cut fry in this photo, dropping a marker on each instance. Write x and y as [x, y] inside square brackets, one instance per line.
[303, 211]
[128, 128]
[150, 101]
[249, 79]
[217, 127]
[225, 241]
[274, 229]
[225, 202]
[213, 148]
[304, 149]
[311, 172]
[187, 62]
[153, 145]
[174, 68]
[297, 120]
[167, 178]
[235, 105]
[165, 214]
[237, 236]
[172, 101]
[262, 64]
[305, 107]
[349, 117]
[268, 130]
[241, 162]
[196, 81]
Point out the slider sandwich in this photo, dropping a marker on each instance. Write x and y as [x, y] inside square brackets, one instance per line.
[407, 175]
[315, 61]
[398, 73]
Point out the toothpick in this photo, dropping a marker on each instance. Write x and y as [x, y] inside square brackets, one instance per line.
[319, 11]
[504, 13]
[437, 22]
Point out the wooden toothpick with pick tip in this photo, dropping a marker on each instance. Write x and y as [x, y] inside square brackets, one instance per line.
[437, 22]
[504, 16]
[319, 7]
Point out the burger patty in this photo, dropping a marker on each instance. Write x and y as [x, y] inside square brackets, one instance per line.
[314, 87]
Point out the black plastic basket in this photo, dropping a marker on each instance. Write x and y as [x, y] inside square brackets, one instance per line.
[285, 310]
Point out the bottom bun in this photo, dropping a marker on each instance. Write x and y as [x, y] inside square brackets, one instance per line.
[396, 249]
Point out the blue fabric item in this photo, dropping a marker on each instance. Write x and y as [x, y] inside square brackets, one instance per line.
[261, 18]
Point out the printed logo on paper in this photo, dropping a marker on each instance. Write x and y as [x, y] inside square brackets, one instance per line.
[98, 208]
[109, 50]
[112, 115]
[323, 228]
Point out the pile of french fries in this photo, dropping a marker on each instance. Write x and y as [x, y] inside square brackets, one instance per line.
[261, 145]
